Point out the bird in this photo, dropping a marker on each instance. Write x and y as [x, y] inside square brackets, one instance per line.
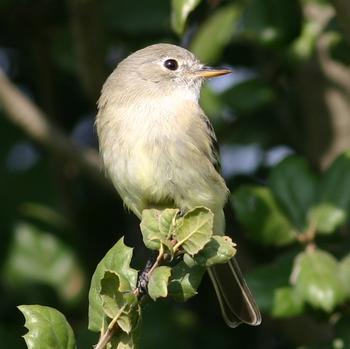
[160, 150]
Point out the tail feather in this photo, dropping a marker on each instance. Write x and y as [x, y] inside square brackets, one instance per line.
[236, 301]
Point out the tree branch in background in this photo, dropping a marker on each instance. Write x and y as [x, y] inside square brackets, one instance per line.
[88, 41]
[27, 116]
[323, 87]
[342, 8]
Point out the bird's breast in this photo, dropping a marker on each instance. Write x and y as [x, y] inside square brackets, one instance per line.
[154, 153]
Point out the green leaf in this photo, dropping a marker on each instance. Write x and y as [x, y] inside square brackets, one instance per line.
[286, 303]
[157, 226]
[48, 328]
[129, 319]
[219, 249]
[117, 304]
[117, 260]
[133, 18]
[304, 45]
[38, 256]
[260, 215]
[43, 213]
[184, 281]
[342, 333]
[113, 300]
[195, 231]
[265, 280]
[334, 195]
[317, 279]
[158, 282]
[272, 22]
[344, 267]
[123, 340]
[294, 186]
[260, 94]
[179, 13]
[326, 217]
[219, 28]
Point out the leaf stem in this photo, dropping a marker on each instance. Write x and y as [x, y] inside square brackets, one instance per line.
[308, 236]
[159, 258]
[112, 327]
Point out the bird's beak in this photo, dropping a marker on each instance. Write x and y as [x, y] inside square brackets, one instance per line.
[209, 72]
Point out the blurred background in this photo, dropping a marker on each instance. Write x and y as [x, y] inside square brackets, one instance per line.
[282, 119]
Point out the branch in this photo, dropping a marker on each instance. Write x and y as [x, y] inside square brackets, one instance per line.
[139, 291]
[26, 115]
[111, 329]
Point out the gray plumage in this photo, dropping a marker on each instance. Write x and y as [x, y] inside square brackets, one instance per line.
[159, 149]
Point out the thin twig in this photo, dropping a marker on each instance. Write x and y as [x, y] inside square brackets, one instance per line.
[138, 292]
[309, 235]
[158, 260]
[112, 327]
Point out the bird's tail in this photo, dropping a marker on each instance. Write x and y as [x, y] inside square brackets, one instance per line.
[236, 301]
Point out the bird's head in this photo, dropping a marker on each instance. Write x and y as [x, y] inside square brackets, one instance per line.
[165, 68]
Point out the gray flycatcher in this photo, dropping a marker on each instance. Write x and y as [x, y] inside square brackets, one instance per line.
[160, 150]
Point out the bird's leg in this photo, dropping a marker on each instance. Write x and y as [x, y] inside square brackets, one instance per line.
[142, 281]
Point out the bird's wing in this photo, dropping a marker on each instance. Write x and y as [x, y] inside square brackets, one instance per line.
[214, 155]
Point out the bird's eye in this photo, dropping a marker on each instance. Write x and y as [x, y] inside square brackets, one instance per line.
[171, 64]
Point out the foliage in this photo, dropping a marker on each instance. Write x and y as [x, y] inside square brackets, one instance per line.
[48, 328]
[289, 91]
[297, 206]
[116, 291]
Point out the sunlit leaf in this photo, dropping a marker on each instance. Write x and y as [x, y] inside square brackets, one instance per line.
[219, 249]
[294, 186]
[157, 226]
[317, 280]
[304, 45]
[117, 260]
[48, 328]
[286, 303]
[195, 231]
[180, 11]
[38, 256]
[326, 217]
[158, 282]
[259, 213]
[214, 34]
[113, 300]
